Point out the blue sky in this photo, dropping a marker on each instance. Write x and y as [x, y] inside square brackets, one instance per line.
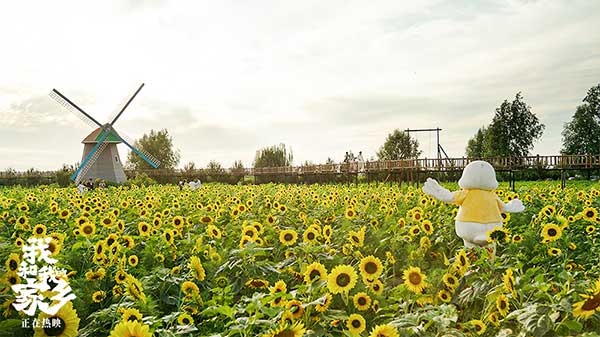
[229, 77]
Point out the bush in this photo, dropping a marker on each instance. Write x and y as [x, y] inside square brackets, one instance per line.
[141, 179]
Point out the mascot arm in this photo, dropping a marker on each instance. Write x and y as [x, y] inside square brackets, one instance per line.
[432, 188]
[513, 206]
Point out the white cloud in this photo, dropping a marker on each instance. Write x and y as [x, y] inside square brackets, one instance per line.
[229, 77]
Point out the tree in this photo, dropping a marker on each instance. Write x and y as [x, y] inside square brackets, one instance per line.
[582, 134]
[238, 167]
[273, 156]
[329, 161]
[593, 100]
[214, 167]
[160, 145]
[514, 129]
[477, 147]
[399, 145]
[189, 168]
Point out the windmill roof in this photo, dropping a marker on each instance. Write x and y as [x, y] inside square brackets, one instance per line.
[99, 133]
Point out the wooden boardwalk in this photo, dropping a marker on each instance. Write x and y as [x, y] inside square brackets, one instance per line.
[409, 170]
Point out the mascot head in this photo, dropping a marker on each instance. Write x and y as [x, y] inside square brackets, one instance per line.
[478, 175]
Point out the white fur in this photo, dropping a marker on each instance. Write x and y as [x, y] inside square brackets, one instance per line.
[478, 175]
[432, 188]
[513, 206]
[474, 233]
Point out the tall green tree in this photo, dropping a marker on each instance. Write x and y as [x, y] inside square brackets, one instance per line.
[160, 145]
[478, 146]
[273, 156]
[514, 129]
[399, 145]
[582, 134]
[214, 167]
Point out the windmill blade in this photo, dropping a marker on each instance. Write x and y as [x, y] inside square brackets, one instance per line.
[90, 159]
[126, 104]
[140, 151]
[72, 107]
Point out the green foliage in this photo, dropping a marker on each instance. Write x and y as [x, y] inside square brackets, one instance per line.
[160, 145]
[140, 180]
[582, 134]
[214, 168]
[63, 176]
[478, 146]
[399, 145]
[273, 156]
[514, 129]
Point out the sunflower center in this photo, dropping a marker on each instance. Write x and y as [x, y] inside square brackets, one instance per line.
[288, 237]
[356, 324]
[592, 303]
[552, 232]
[56, 329]
[589, 214]
[502, 305]
[362, 301]
[39, 230]
[177, 222]
[342, 280]
[311, 236]
[87, 229]
[314, 274]
[371, 267]
[13, 265]
[414, 278]
[285, 333]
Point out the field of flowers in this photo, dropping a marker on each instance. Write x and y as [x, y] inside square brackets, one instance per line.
[290, 261]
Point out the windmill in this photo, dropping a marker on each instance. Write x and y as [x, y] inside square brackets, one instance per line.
[100, 156]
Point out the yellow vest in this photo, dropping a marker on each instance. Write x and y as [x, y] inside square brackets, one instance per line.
[478, 206]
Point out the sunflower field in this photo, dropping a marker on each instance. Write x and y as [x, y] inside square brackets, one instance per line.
[305, 260]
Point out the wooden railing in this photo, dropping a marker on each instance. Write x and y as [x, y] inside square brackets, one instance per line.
[554, 162]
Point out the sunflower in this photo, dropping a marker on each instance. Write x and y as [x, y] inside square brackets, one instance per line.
[376, 287]
[551, 232]
[120, 276]
[168, 236]
[444, 296]
[427, 227]
[189, 288]
[98, 296]
[213, 232]
[590, 229]
[12, 278]
[64, 214]
[502, 304]
[251, 232]
[341, 279]
[314, 272]
[322, 307]
[350, 213]
[450, 281]
[498, 234]
[554, 251]
[131, 329]
[197, 268]
[132, 314]
[357, 238]
[133, 260]
[310, 235]
[68, 325]
[462, 261]
[517, 238]
[370, 267]
[144, 228]
[287, 330]
[257, 283]
[288, 237]
[588, 306]
[478, 325]
[356, 324]
[13, 261]
[39, 230]
[384, 330]
[295, 307]
[279, 287]
[87, 229]
[414, 279]
[415, 230]
[589, 213]
[362, 301]
[134, 288]
[185, 319]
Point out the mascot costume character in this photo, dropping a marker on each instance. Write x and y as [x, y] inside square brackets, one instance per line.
[480, 208]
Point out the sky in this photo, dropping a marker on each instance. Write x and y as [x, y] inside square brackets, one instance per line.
[226, 78]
